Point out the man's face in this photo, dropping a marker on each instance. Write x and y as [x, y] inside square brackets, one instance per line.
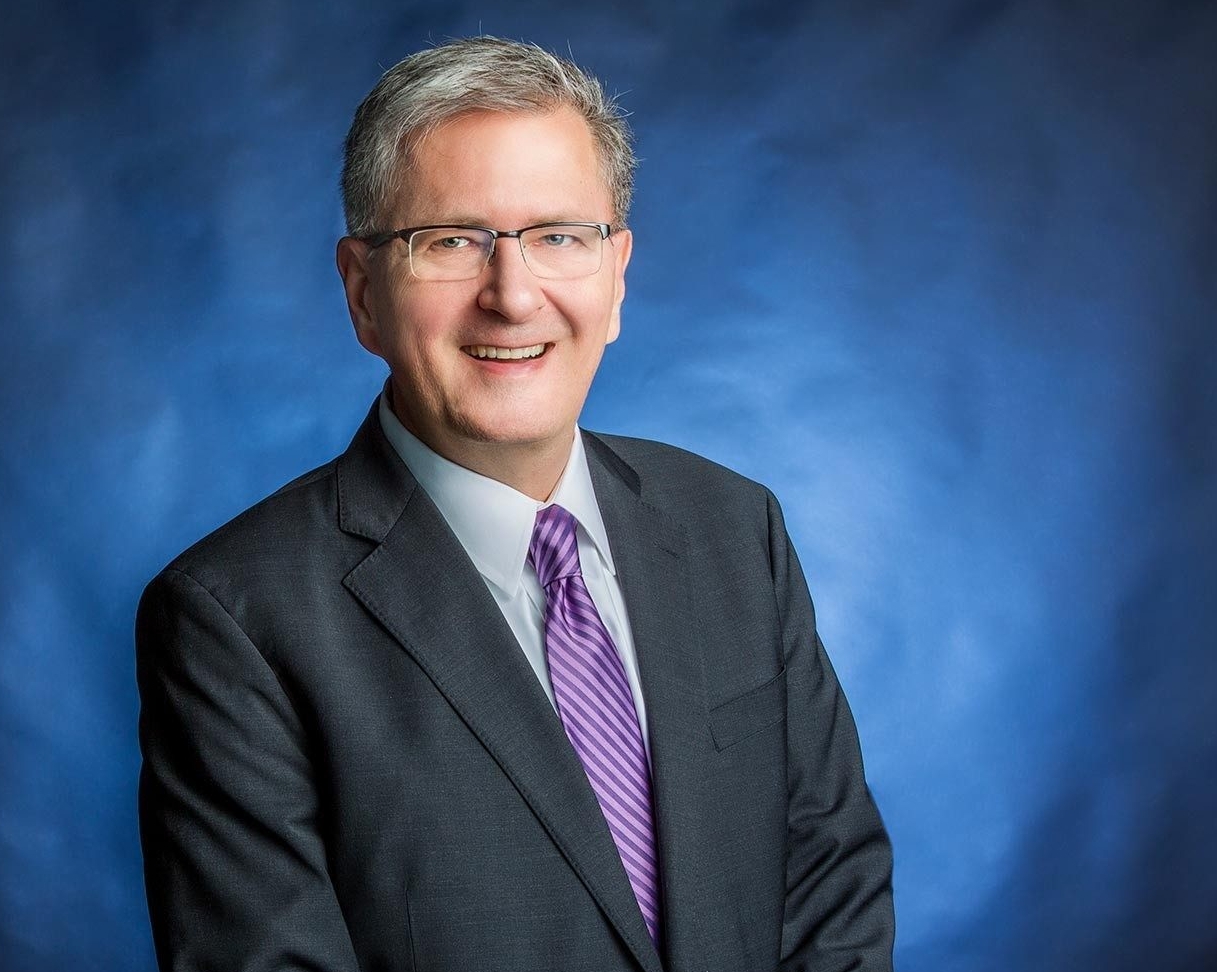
[504, 171]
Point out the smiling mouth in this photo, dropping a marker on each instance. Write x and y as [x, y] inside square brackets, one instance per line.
[504, 354]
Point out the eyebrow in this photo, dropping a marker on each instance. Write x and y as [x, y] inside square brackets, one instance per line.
[464, 219]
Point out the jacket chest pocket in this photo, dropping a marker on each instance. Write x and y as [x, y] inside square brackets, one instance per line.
[747, 714]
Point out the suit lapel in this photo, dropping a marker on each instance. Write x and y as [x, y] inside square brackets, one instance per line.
[423, 589]
[657, 582]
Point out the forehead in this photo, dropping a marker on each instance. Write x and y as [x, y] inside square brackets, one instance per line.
[506, 169]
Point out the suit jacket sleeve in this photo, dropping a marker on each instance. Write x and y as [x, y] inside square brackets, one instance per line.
[235, 867]
[838, 911]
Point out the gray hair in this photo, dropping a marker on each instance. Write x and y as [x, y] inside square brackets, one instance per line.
[420, 93]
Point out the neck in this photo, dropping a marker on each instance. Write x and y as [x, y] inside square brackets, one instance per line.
[532, 468]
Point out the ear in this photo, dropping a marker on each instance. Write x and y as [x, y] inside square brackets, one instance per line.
[353, 258]
[622, 245]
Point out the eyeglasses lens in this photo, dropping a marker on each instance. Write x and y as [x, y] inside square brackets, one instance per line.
[458, 253]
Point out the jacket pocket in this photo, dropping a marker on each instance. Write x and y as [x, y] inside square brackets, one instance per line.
[747, 714]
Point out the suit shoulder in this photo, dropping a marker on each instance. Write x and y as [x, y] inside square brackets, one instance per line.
[664, 469]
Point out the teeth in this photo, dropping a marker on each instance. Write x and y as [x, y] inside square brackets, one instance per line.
[486, 351]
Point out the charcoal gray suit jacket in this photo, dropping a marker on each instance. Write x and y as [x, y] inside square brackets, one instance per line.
[350, 765]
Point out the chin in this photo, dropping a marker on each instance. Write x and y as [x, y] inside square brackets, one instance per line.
[520, 431]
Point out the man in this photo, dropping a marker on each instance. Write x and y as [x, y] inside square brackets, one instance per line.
[486, 691]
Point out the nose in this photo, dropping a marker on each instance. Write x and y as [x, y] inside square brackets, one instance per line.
[509, 288]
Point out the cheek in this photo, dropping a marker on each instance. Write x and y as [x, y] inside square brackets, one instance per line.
[593, 314]
[412, 328]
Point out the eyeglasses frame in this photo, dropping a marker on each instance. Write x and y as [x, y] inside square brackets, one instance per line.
[380, 239]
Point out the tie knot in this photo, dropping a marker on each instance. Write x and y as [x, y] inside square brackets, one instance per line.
[554, 550]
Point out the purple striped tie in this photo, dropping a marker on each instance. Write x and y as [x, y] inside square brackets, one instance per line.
[596, 706]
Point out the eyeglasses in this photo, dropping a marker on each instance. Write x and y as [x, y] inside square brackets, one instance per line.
[556, 251]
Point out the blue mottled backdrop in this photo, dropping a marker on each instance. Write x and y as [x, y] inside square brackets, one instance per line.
[978, 367]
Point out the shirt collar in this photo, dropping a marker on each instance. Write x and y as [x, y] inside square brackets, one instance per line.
[493, 521]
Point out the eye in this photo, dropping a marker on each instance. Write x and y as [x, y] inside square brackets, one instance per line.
[449, 241]
[561, 237]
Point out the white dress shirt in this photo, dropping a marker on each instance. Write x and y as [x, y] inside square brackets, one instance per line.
[494, 524]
